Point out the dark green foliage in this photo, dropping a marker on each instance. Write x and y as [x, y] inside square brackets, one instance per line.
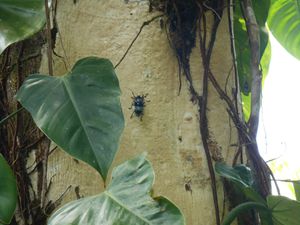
[276, 210]
[19, 20]
[80, 111]
[239, 187]
[296, 185]
[242, 45]
[284, 23]
[8, 192]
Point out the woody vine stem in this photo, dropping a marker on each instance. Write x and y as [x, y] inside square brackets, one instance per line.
[178, 39]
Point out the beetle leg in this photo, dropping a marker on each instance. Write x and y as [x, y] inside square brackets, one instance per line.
[131, 115]
[131, 106]
[141, 116]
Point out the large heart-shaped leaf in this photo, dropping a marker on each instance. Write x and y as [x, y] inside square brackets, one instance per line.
[80, 111]
[284, 23]
[8, 192]
[284, 210]
[19, 19]
[125, 202]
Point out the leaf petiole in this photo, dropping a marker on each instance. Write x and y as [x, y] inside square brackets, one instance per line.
[4, 120]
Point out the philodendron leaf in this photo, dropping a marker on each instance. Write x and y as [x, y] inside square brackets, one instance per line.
[19, 20]
[8, 192]
[242, 178]
[80, 111]
[126, 201]
[284, 23]
[284, 210]
[234, 174]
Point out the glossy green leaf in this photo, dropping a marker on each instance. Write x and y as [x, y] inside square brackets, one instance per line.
[246, 103]
[125, 202]
[264, 63]
[19, 19]
[242, 178]
[243, 191]
[242, 51]
[296, 185]
[241, 174]
[245, 173]
[8, 192]
[80, 111]
[284, 23]
[284, 210]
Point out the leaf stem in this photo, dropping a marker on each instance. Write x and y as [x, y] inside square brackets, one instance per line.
[49, 39]
[4, 120]
[233, 214]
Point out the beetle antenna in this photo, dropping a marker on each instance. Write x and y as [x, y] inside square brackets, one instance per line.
[132, 93]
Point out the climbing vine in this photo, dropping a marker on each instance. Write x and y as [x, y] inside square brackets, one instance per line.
[184, 19]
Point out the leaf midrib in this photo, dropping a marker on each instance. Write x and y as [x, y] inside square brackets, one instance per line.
[65, 82]
[128, 209]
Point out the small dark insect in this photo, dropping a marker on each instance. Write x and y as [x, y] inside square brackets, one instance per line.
[77, 190]
[161, 23]
[188, 186]
[138, 105]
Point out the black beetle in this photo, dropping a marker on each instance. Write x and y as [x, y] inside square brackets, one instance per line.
[138, 104]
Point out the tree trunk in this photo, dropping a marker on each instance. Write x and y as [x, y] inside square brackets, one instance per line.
[169, 131]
